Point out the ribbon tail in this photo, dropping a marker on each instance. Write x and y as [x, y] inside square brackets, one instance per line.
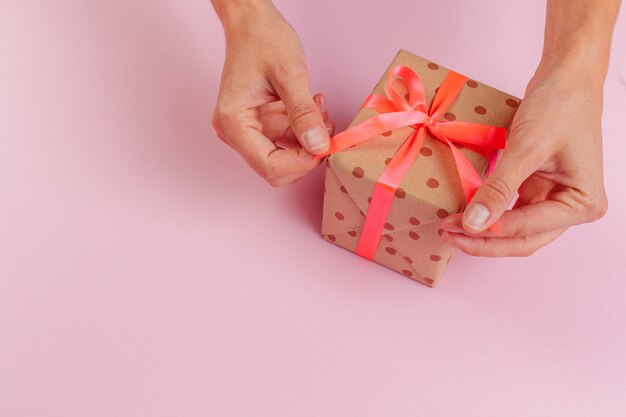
[468, 134]
[493, 159]
[384, 193]
[470, 180]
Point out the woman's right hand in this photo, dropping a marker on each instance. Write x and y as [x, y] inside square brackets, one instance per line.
[265, 110]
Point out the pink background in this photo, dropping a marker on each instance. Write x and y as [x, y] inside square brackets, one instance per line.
[146, 270]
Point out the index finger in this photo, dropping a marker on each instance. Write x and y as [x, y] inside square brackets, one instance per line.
[269, 161]
[559, 211]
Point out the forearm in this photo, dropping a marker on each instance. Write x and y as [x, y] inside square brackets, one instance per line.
[578, 36]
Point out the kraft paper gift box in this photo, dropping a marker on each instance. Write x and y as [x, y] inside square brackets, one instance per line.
[431, 190]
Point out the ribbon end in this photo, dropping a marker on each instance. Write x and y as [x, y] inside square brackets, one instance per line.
[496, 229]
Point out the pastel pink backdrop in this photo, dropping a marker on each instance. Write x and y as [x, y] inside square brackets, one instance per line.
[146, 271]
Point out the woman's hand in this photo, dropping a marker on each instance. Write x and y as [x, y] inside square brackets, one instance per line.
[553, 159]
[265, 110]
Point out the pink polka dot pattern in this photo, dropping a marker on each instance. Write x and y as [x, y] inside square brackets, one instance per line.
[400, 193]
[435, 258]
[390, 250]
[339, 215]
[358, 172]
[386, 134]
[432, 183]
[388, 237]
[480, 110]
[433, 66]
[343, 189]
[426, 151]
[429, 281]
[387, 161]
[442, 214]
[409, 260]
[332, 238]
[414, 235]
[414, 221]
[389, 226]
[449, 117]
[352, 233]
[440, 232]
[471, 84]
[511, 102]
[407, 272]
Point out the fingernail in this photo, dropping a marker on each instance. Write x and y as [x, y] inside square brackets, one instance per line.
[476, 216]
[323, 106]
[315, 138]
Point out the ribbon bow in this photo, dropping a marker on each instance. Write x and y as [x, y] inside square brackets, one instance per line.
[397, 111]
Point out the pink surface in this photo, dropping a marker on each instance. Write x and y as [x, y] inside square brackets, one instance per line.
[146, 271]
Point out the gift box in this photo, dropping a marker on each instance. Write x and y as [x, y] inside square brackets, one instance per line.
[404, 229]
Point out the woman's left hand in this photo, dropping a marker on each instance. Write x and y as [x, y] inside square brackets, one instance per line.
[553, 159]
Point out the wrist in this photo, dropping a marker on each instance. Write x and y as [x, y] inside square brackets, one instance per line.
[583, 63]
[577, 40]
[234, 13]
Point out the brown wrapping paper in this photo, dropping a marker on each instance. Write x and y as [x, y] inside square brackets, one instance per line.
[430, 191]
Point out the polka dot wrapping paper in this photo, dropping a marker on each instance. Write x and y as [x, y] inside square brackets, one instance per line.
[431, 190]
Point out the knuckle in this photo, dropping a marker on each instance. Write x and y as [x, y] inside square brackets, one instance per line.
[215, 120]
[596, 207]
[499, 190]
[471, 251]
[302, 111]
[217, 126]
[526, 227]
[599, 212]
[288, 70]
[224, 117]
[475, 248]
[269, 172]
[278, 182]
[221, 137]
[274, 182]
[526, 248]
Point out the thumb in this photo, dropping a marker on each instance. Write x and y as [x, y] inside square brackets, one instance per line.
[498, 191]
[305, 117]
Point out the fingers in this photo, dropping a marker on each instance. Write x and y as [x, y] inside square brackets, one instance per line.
[543, 211]
[533, 189]
[501, 246]
[277, 166]
[519, 161]
[305, 118]
[522, 221]
[564, 207]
